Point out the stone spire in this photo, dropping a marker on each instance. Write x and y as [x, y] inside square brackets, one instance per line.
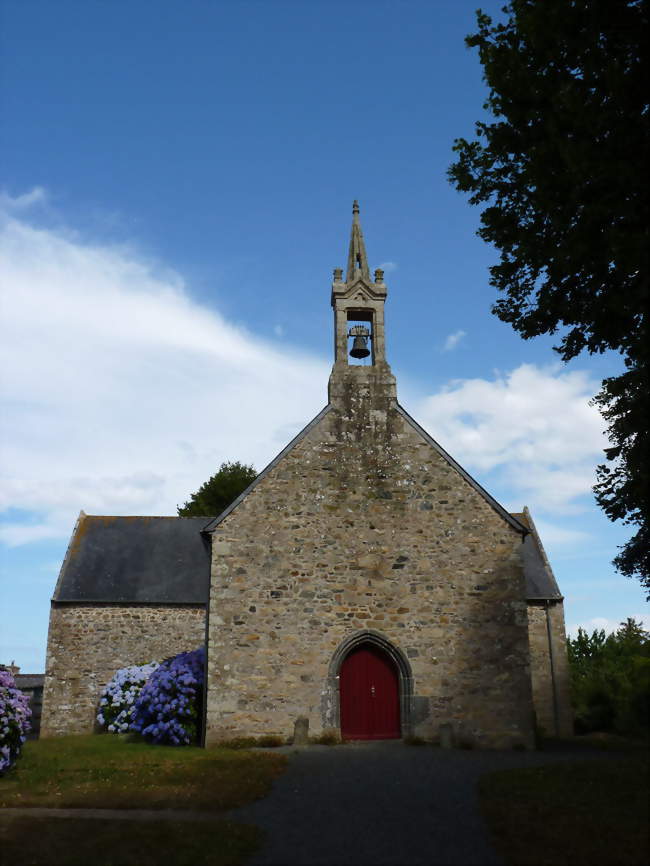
[358, 303]
[357, 258]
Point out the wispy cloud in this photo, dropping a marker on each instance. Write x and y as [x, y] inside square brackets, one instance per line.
[453, 340]
[111, 370]
[387, 267]
[559, 536]
[123, 394]
[8, 203]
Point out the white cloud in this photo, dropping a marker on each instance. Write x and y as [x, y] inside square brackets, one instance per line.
[601, 622]
[387, 267]
[121, 393]
[453, 340]
[554, 535]
[532, 428]
[27, 200]
[278, 330]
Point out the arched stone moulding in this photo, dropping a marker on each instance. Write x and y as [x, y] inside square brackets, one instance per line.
[330, 706]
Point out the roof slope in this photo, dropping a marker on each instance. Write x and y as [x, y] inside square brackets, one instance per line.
[512, 519]
[540, 580]
[29, 681]
[166, 560]
[136, 559]
[287, 448]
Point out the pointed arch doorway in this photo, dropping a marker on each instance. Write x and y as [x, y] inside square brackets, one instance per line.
[369, 694]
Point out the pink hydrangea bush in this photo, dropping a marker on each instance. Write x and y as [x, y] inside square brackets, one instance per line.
[118, 699]
[14, 721]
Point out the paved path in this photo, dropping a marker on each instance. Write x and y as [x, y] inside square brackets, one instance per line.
[376, 804]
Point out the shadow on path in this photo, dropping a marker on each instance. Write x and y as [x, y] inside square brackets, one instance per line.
[380, 803]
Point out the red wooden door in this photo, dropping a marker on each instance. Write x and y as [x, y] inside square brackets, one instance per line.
[369, 695]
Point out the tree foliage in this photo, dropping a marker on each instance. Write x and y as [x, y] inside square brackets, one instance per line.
[610, 679]
[559, 171]
[219, 491]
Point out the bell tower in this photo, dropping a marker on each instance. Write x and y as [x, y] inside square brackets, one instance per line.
[359, 335]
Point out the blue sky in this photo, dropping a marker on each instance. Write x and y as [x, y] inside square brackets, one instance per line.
[177, 180]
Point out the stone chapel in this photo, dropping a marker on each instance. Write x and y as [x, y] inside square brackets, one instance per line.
[364, 581]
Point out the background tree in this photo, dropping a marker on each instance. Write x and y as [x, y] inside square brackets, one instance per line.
[560, 171]
[219, 491]
[610, 679]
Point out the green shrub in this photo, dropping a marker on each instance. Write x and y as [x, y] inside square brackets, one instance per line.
[270, 741]
[237, 743]
[610, 679]
[327, 738]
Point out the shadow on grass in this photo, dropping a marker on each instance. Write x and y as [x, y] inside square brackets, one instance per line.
[105, 842]
[583, 813]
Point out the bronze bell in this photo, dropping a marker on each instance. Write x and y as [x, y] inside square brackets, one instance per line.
[360, 347]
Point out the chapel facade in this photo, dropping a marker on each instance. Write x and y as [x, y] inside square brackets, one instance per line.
[364, 581]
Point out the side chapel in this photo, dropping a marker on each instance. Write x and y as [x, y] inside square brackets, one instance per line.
[364, 581]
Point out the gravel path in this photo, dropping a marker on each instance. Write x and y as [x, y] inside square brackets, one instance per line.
[375, 804]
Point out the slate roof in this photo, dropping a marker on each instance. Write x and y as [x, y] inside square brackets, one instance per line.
[166, 560]
[163, 560]
[29, 681]
[540, 580]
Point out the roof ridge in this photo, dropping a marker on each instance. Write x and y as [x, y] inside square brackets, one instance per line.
[212, 525]
[501, 511]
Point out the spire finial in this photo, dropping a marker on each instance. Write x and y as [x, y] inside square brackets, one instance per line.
[357, 259]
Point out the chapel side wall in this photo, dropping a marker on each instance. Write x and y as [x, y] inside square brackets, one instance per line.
[540, 669]
[561, 667]
[550, 682]
[371, 532]
[88, 643]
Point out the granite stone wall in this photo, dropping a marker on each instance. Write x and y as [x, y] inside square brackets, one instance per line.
[363, 527]
[88, 643]
[550, 668]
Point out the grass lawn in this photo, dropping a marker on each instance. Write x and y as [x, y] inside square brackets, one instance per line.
[105, 772]
[583, 813]
[106, 842]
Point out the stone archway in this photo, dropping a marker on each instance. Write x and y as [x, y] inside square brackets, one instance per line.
[330, 708]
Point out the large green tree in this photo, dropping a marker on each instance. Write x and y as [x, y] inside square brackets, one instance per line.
[219, 491]
[559, 166]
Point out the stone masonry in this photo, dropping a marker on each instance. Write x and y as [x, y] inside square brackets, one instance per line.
[549, 668]
[88, 643]
[364, 529]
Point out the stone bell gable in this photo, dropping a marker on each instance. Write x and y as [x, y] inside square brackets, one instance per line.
[364, 581]
[364, 532]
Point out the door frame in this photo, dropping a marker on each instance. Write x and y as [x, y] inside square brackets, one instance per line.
[330, 704]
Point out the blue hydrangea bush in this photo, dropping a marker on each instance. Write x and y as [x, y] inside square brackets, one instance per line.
[14, 721]
[168, 710]
[117, 701]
